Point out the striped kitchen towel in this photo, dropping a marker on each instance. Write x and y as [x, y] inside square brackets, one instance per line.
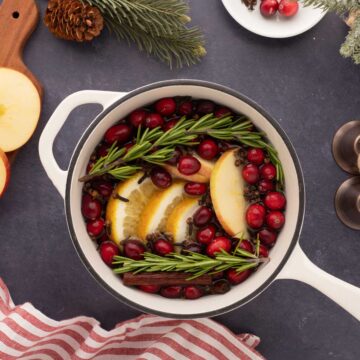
[27, 334]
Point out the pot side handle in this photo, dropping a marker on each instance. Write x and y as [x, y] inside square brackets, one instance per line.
[56, 122]
[300, 268]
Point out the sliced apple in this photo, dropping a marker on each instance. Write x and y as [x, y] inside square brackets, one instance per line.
[19, 109]
[177, 224]
[124, 216]
[202, 176]
[227, 194]
[160, 206]
[4, 172]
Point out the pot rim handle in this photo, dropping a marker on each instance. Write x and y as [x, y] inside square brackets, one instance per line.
[300, 268]
[56, 122]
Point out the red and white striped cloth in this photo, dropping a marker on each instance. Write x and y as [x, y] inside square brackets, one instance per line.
[27, 334]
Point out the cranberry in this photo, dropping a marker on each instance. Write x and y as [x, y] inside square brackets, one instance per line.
[166, 106]
[275, 219]
[176, 156]
[263, 251]
[103, 238]
[95, 227]
[275, 200]
[134, 249]
[268, 171]
[205, 107]
[153, 120]
[102, 150]
[202, 216]
[256, 156]
[236, 277]
[251, 174]
[218, 244]
[151, 289]
[105, 188]
[268, 8]
[120, 133]
[195, 189]
[188, 165]
[255, 215]
[246, 245]
[137, 117]
[265, 185]
[171, 292]
[267, 236]
[170, 124]
[208, 149]
[288, 8]
[91, 208]
[193, 292]
[160, 177]
[219, 287]
[186, 108]
[222, 111]
[163, 247]
[107, 252]
[191, 247]
[206, 234]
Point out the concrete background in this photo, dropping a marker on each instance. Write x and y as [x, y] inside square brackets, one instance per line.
[303, 82]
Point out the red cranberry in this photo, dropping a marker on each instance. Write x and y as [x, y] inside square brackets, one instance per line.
[268, 8]
[188, 165]
[166, 106]
[102, 150]
[288, 8]
[153, 120]
[171, 292]
[275, 200]
[202, 216]
[267, 236]
[208, 149]
[246, 245]
[218, 244]
[137, 117]
[219, 287]
[91, 208]
[268, 171]
[275, 219]
[163, 247]
[222, 111]
[170, 124]
[265, 185]
[105, 188]
[151, 289]
[256, 156]
[235, 277]
[186, 108]
[191, 247]
[107, 252]
[134, 249]
[120, 133]
[255, 215]
[193, 292]
[251, 174]
[206, 234]
[160, 177]
[263, 251]
[95, 227]
[195, 189]
[205, 107]
[176, 156]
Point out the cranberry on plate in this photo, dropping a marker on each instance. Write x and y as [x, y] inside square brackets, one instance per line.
[153, 120]
[134, 249]
[236, 277]
[171, 292]
[195, 189]
[91, 208]
[218, 244]
[151, 289]
[255, 216]
[107, 252]
[275, 200]
[206, 234]
[188, 165]
[137, 118]
[202, 216]
[95, 227]
[166, 106]
[268, 8]
[275, 219]
[208, 149]
[161, 178]
[288, 8]
[163, 247]
[193, 292]
[251, 174]
[120, 133]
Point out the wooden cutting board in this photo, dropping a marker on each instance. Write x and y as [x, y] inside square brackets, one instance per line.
[18, 19]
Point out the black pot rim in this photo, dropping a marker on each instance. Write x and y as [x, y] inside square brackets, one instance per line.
[229, 91]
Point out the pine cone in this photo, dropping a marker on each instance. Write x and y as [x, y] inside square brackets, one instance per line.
[73, 20]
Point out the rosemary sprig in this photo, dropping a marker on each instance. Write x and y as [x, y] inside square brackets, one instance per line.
[193, 263]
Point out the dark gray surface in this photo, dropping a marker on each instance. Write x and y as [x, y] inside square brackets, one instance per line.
[302, 81]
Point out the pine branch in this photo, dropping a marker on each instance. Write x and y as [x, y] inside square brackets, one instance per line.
[351, 46]
[340, 7]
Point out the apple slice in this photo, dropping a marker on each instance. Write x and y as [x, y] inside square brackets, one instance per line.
[4, 172]
[19, 109]
[202, 176]
[227, 194]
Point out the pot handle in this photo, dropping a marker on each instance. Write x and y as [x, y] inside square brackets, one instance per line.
[300, 268]
[56, 122]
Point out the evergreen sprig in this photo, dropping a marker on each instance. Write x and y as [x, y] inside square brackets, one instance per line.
[156, 26]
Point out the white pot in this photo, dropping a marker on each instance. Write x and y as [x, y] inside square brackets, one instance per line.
[287, 259]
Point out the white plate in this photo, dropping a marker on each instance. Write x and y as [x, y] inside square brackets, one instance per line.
[277, 26]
